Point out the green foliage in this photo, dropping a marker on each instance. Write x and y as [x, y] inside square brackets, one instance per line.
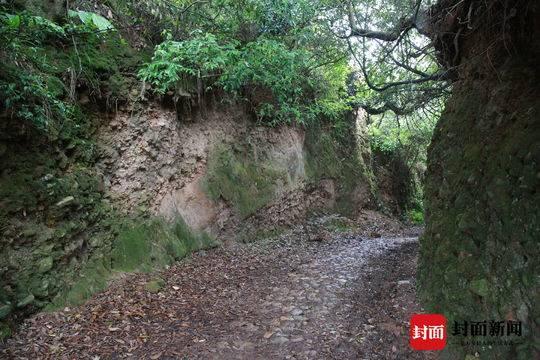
[268, 65]
[279, 83]
[92, 20]
[45, 63]
[31, 95]
[331, 100]
[410, 135]
[386, 141]
[174, 62]
[416, 216]
[261, 52]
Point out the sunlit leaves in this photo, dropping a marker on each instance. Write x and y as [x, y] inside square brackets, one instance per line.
[200, 57]
[92, 19]
[297, 89]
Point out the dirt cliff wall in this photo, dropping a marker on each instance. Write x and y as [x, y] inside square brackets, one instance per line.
[218, 169]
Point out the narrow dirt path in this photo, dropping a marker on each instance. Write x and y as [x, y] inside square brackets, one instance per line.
[347, 298]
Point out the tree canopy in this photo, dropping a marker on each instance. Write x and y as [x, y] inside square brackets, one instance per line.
[291, 61]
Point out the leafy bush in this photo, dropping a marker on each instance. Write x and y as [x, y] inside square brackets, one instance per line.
[92, 20]
[416, 216]
[289, 76]
[175, 62]
[45, 63]
[29, 92]
[410, 135]
[269, 65]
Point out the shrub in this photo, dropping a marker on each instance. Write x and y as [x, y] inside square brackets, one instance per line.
[281, 84]
[45, 63]
[176, 64]
[416, 216]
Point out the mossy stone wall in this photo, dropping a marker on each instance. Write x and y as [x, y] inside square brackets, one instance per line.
[52, 215]
[480, 254]
[141, 245]
[61, 239]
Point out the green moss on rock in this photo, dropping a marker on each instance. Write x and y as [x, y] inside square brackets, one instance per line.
[237, 177]
[5, 310]
[479, 256]
[5, 331]
[91, 279]
[141, 245]
[154, 244]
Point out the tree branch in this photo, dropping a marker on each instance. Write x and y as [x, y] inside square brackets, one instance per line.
[438, 76]
[409, 68]
[386, 107]
[404, 24]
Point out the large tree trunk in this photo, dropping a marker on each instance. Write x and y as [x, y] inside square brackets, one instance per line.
[480, 257]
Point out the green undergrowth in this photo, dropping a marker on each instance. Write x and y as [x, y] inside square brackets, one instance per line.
[50, 66]
[237, 177]
[415, 216]
[139, 246]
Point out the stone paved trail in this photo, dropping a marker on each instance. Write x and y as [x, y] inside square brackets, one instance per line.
[347, 298]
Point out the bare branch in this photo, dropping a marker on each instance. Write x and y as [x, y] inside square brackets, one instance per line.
[388, 106]
[371, 34]
[438, 76]
[396, 48]
[409, 68]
